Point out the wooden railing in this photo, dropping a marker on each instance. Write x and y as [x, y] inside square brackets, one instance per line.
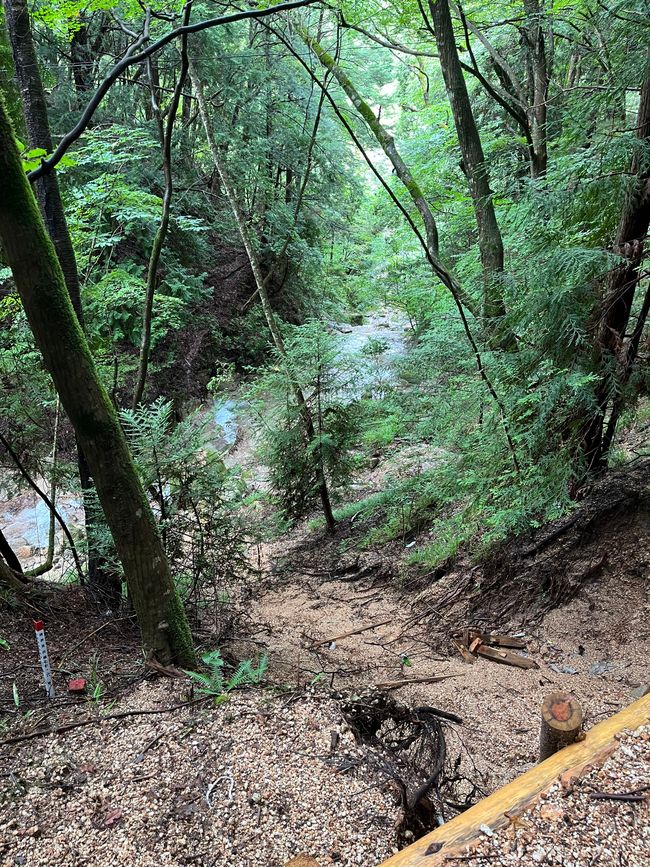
[463, 831]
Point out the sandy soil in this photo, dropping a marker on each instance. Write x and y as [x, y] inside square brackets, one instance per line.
[596, 648]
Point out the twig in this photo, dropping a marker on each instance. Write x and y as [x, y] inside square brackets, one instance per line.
[90, 634]
[227, 775]
[352, 632]
[88, 722]
[395, 684]
[636, 796]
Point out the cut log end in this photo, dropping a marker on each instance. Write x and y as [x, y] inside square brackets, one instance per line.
[561, 723]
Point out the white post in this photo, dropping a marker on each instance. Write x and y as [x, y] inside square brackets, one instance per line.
[39, 628]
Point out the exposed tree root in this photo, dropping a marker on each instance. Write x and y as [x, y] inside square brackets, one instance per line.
[410, 745]
[609, 529]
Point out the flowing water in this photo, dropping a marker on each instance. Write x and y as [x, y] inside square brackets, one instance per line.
[368, 353]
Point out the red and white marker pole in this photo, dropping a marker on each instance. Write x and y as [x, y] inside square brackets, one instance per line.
[39, 629]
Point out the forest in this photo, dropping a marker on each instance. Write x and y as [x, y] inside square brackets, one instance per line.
[324, 362]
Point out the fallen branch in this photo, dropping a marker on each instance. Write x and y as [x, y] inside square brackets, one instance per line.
[637, 796]
[352, 632]
[395, 684]
[95, 720]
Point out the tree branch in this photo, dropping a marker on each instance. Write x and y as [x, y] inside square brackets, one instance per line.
[131, 59]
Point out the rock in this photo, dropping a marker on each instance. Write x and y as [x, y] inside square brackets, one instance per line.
[356, 319]
[563, 669]
[551, 812]
[640, 691]
[600, 668]
[539, 856]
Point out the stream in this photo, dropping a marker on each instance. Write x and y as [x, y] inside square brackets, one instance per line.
[25, 517]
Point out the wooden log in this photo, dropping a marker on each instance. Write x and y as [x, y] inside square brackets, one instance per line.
[468, 657]
[495, 640]
[561, 723]
[506, 657]
[464, 831]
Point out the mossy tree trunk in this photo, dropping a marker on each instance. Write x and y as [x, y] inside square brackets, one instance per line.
[49, 197]
[40, 283]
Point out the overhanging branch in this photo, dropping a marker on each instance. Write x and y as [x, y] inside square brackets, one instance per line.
[132, 58]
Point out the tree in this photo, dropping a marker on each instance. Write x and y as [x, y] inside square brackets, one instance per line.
[41, 285]
[49, 197]
[165, 122]
[474, 165]
[260, 285]
[615, 351]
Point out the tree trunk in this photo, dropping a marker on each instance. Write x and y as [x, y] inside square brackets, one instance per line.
[9, 555]
[40, 283]
[166, 133]
[49, 197]
[539, 82]
[615, 355]
[489, 235]
[81, 62]
[11, 580]
[260, 284]
[561, 723]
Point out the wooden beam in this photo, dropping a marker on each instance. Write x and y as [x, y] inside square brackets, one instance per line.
[464, 830]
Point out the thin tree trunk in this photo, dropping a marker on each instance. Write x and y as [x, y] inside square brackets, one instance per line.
[476, 171]
[615, 355]
[8, 554]
[260, 284]
[48, 502]
[538, 111]
[167, 131]
[49, 197]
[384, 138]
[66, 355]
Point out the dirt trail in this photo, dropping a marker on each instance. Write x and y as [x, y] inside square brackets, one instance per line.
[596, 648]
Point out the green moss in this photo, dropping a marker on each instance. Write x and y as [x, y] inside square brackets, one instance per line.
[180, 636]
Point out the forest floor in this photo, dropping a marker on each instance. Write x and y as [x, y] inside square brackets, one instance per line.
[276, 771]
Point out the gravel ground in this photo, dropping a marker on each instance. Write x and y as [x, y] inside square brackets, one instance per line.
[567, 827]
[136, 791]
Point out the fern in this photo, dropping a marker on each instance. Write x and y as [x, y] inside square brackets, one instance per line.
[215, 684]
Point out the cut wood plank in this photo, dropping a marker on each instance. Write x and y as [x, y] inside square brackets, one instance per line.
[395, 684]
[496, 640]
[352, 632]
[506, 657]
[463, 831]
[468, 657]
